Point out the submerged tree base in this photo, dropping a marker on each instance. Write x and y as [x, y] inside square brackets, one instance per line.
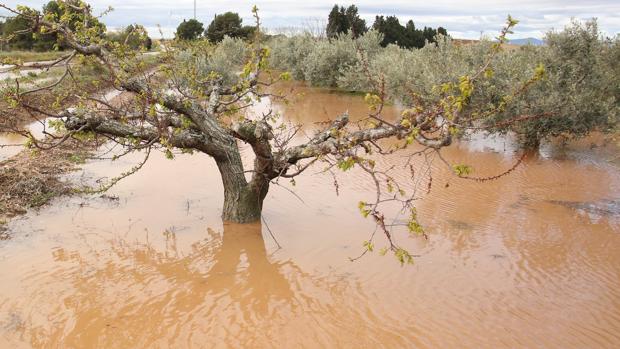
[242, 206]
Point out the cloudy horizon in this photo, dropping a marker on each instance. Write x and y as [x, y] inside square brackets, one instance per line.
[480, 17]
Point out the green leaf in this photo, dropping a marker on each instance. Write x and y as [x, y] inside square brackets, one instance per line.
[462, 170]
[346, 164]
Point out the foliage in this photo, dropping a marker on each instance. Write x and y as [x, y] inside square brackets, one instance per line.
[321, 61]
[134, 36]
[227, 24]
[321, 67]
[189, 30]
[223, 60]
[74, 14]
[290, 54]
[576, 77]
[405, 36]
[343, 21]
[17, 41]
[48, 41]
[415, 71]
[17, 30]
[580, 87]
[338, 61]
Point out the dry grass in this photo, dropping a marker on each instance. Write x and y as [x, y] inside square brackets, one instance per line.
[32, 56]
[30, 180]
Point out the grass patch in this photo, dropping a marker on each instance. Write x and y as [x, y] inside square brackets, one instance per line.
[41, 199]
[31, 56]
[78, 158]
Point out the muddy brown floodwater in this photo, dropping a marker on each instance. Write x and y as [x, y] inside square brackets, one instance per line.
[529, 260]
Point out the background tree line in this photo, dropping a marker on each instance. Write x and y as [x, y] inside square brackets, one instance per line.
[580, 87]
[343, 20]
[16, 31]
[222, 25]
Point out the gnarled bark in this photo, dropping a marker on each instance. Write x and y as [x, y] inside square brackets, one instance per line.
[243, 201]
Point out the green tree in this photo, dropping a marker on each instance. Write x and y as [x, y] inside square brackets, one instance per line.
[429, 34]
[227, 24]
[580, 89]
[405, 36]
[355, 24]
[342, 21]
[336, 23]
[393, 32]
[47, 41]
[413, 37]
[189, 30]
[23, 35]
[73, 14]
[16, 33]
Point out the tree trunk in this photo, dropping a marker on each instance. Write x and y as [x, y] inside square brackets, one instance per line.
[243, 201]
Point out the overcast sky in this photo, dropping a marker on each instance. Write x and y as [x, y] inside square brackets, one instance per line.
[463, 19]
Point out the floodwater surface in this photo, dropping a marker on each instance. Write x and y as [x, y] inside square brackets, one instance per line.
[529, 260]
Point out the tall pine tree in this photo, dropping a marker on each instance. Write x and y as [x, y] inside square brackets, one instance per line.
[341, 21]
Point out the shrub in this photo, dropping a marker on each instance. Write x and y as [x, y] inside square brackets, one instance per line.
[321, 62]
[580, 87]
[225, 59]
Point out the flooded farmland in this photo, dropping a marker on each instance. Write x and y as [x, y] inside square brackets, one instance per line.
[528, 260]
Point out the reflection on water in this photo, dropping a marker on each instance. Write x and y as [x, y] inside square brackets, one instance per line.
[530, 260]
[221, 290]
[220, 279]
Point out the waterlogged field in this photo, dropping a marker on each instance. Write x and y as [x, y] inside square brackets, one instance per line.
[528, 260]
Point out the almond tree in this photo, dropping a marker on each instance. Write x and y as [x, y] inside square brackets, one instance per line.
[182, 104]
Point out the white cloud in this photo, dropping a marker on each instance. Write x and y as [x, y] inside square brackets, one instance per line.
[462, 19]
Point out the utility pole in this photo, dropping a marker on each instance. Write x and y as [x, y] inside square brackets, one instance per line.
[194, 9]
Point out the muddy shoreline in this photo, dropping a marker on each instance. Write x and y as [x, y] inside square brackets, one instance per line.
[30, 179]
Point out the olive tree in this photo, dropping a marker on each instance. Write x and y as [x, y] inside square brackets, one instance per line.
[191, 103]
[580, 90]
[578, 95]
